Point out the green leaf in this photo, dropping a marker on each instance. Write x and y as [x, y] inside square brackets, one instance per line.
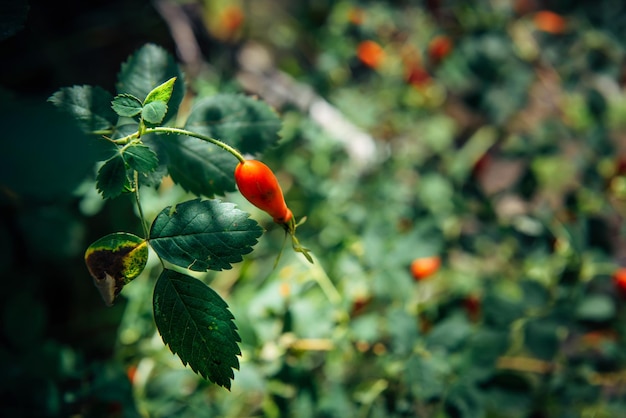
[248, 124]
[112, 179]
[203, 234]
[154, 112]
[485, 346]
[464, 401]
[596, 308]
[427, 377]
[141, 158]
[45, 155]
[150, 178]
[451, 333]
[126, 105]
[199, 167]
[541, 338]
[196, 324]
[114, 261]
[90, 106]
[161, 93]
[149, 67]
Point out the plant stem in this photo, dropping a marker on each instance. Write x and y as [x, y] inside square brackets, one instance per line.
[224, 146]
[141, 216]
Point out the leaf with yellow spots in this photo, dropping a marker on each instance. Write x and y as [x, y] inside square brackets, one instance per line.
[114, 260]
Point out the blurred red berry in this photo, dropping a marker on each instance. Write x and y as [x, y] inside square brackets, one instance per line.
[417, 76]
[472, 306]
[359, 305]
[619, 278]
[439, 48]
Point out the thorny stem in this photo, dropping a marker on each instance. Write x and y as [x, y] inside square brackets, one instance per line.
[168, 130]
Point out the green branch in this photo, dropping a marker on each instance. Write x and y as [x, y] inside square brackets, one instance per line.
[223, 145]
[177, 131]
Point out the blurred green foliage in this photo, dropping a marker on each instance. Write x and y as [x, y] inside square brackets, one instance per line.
[504, 157]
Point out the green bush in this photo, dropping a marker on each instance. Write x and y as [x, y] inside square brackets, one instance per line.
[483, 138]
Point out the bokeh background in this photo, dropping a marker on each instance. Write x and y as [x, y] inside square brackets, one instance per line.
[486, 135]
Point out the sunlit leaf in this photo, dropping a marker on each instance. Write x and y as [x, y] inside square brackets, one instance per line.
[114, 260]
[148, 68]
[203, 234]
[196, 324]
[161, 93]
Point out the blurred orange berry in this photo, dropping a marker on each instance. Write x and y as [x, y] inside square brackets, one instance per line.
[549, 22]
[231, 19]
[439, 48]
[131, 372]
[370, 53]
[424, 267]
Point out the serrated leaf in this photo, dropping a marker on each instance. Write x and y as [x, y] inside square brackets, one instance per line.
[161, 93]
[148, 68]
[112, 179]
[199, 167]
[141, 158]
[114, 261]
[203, 234]
[90, 106]
[196, 324]
[248, 124]
[126, 105]
[154, 112]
